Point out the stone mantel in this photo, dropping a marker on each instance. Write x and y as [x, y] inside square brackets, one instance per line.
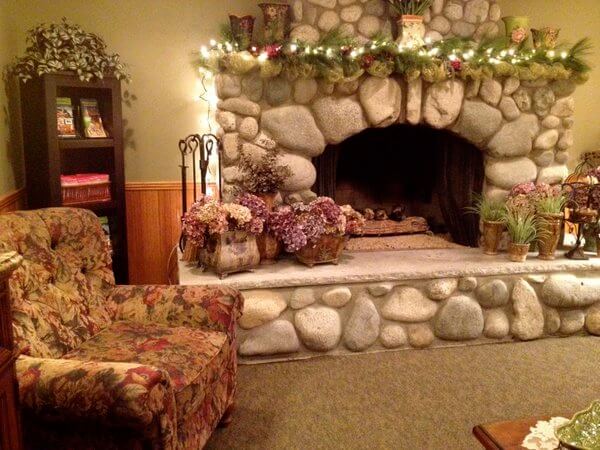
[401, 265]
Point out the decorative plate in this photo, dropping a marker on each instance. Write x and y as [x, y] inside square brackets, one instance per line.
[582, 432]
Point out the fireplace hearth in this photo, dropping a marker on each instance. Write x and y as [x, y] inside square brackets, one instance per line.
[429, 173]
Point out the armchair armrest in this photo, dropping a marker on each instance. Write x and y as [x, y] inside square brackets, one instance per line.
[216, 308]
[101, 393]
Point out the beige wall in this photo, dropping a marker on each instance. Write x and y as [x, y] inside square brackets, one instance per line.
[10, 157]
[576, 19]
[157, 38]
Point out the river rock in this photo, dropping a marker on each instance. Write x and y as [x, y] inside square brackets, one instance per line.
[566, 140]
[551, 122]
[543, 99]
[407, 304]
[565, 107]
[252, 86]
[320, 328]
[375, 7]
[339, 118]
[467, 284]
[240, 106]
[227, 120]
[265, 141]
[478, 121]
[441, 289]
[278, 91]
[443, 102]
[231, 147]
[522, 99]
[369, 26]
[511, 84]
[440, 24]
[261, 307]
[362, 328]
[248, 128]
[302, 297]
[546, 140]
[380, 289]
[561, 157]
[304, 173]
[571, 321]
[551, 320]
[505, 174]
[568, 291]
[337, 297]
[563, 88]
[347, 87]
[351, 13]
[306, 33]
[463, 29]
[272, 338]
[294, 127]
[528, 322]
[420, 335]
[515, 138]
[328, 21]
[329, 4]
[305, 90]
[495, 12]
[543, 158]
[228, 85]
[393, 336]
[592, 320]
[476, 11]
[414, 98]
[496, 325]
[381, 98]
[459, 319]
[509, 108]
[553, 174]
[472, 88]
[491, 91]
[493, 294]
[454, 10]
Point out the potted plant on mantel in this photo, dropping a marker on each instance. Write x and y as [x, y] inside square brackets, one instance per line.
[492, 214]
[263, 177]
[550, 212]
[221, 236]
[522, 230]
[411, 29]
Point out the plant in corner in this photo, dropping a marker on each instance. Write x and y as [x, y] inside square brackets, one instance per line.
[411, 29]
[59, 47]
[492, 214]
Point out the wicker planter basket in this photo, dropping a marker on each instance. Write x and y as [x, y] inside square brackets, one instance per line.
[328, 249]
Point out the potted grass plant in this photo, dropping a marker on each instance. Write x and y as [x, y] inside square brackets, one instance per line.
[550, 213]
[411, 29]
[523, 230]
[492, 214]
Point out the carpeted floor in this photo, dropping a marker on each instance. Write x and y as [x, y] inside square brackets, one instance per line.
[428, 399]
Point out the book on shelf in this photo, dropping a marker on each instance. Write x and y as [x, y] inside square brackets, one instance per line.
[92, 119]
[85, 188]
[65, 120]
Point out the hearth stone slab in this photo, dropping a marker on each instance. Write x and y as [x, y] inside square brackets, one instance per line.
[361, 267]
[379, 301]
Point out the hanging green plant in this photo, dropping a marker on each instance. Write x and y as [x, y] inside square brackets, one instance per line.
[59, 47]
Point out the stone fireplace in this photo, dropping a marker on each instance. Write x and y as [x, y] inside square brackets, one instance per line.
[385, 141]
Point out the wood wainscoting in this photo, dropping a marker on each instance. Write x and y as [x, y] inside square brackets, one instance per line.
[12, 201]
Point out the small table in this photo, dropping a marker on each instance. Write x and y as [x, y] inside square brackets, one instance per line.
[505, 435]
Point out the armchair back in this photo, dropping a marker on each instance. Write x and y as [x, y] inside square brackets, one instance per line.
[60, 292]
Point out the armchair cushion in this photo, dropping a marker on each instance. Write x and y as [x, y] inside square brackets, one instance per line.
[209, 307]
[100, 393]
[193, 358]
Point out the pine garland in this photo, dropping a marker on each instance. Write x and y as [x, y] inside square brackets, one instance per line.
[337, 58]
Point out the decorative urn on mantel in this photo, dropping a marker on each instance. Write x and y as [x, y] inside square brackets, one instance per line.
[411, 27]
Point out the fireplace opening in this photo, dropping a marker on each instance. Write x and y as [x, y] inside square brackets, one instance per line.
[405, 171]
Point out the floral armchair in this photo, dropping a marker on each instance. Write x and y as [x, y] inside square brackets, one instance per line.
[105, 366]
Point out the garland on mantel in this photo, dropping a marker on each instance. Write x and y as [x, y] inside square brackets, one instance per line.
[338, 61]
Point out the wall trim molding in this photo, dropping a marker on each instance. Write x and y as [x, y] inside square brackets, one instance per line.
[153, 185]
[9, 200]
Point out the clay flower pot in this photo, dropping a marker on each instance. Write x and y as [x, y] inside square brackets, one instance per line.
[492, 233]
[518, 252]
[232, 251]
[549, 231]
[411, 31]
[276, 21]
[327, 249]
[242, 29]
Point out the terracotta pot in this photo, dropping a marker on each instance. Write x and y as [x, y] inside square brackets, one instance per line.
[269, 248]
[232, 251]
[492, 234]
[276, 21]
[518, 252]
[411, 31]
[545, 38]
[242, 29]
[328, 249]
[549, 230]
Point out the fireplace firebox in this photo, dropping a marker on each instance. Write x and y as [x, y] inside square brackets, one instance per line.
[431, 173]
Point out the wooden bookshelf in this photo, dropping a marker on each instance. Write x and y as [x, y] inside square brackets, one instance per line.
[47, 156]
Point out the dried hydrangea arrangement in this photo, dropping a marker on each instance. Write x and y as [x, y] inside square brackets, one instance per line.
[58, 47]
[264, 175]
[209, 216]
[527, 198]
